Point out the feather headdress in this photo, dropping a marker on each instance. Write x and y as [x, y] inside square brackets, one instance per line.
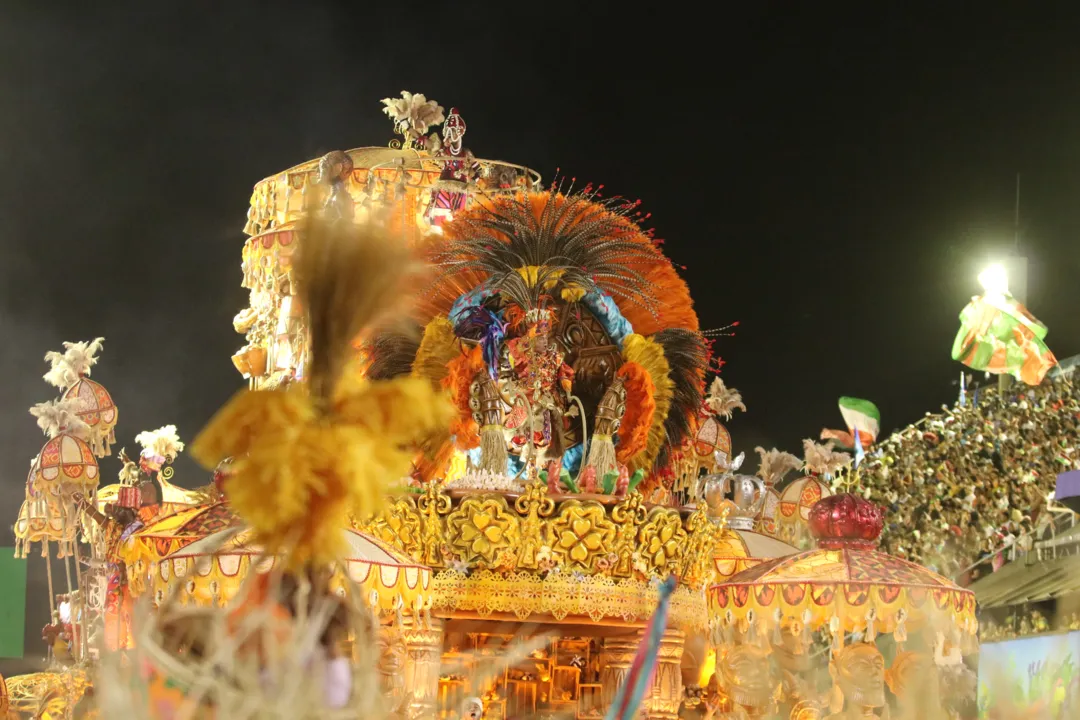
[162, 443]
[775, 464]
[722, 400]
[75, 362]
[821, 459]
[532, 244]
[687, 355]
[392, 353]
[58, 416]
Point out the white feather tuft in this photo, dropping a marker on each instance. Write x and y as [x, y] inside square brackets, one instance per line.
[58, 416]
[163, 442]
[723, 400]
[775, 464]
[413, 112]
[75, 362]
[822, 459]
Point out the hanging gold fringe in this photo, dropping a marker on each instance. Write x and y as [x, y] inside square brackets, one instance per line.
[650, 355]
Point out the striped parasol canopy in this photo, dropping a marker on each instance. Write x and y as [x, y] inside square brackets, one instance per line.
[212, 569]
[844, 578]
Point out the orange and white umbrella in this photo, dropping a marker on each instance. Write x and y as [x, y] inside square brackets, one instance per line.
[213, 568]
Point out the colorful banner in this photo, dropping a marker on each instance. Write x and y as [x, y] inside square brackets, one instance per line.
[998, 334]
[859, 415]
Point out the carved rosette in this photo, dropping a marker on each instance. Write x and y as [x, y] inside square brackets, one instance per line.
[533, 554]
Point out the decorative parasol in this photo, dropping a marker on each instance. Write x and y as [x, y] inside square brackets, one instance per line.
[95, 407]
[843, 579]
[712, 438]
[41, 520]
[70, 372]
[66, 465]
[795, 504]
[739, 550]
[213, 568]
[172, 533]
[770, 509]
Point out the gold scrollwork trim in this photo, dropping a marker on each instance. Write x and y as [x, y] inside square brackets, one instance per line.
[536, 533]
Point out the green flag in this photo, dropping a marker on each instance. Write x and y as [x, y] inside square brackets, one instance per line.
[861, 415]
[12, 603]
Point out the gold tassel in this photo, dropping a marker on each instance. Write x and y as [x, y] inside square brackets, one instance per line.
[493, 454]
[487, 411]
[602, 455]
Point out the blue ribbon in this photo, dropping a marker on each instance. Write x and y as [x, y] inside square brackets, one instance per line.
[604, 309]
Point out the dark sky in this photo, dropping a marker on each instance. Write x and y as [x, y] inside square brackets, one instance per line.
[832, 180]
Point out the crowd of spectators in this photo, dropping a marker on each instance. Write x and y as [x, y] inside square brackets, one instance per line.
[973, 482]
[1024, 621]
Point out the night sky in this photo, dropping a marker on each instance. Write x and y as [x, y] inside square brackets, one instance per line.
[833, 181]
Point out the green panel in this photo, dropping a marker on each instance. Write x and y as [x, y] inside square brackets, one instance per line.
[12, 603]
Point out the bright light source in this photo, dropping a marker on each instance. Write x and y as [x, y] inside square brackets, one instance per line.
[995, 280]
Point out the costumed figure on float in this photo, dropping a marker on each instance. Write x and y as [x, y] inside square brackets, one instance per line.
[116, 524]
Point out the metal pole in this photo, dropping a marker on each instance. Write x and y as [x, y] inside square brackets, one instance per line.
[82, 603]
[1016, 218]
[48, 574]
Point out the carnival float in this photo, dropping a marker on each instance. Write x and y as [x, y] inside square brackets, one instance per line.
[504, 477]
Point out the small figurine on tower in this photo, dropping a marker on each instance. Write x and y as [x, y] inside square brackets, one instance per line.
[449, 193]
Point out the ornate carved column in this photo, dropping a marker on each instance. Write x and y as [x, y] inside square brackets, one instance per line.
[616, 656]
[424, 648]
[667, 689]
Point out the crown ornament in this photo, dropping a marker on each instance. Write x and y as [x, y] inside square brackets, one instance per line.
[747, 495]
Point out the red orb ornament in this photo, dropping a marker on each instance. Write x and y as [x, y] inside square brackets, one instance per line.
[846, 520]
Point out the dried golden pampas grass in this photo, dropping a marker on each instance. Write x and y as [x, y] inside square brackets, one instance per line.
[208, 652]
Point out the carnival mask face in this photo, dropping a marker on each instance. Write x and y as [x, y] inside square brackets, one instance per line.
[453, 131]
[859, 670]
[540, 336]
[473, 710]
[745, 669]
[334, 166]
